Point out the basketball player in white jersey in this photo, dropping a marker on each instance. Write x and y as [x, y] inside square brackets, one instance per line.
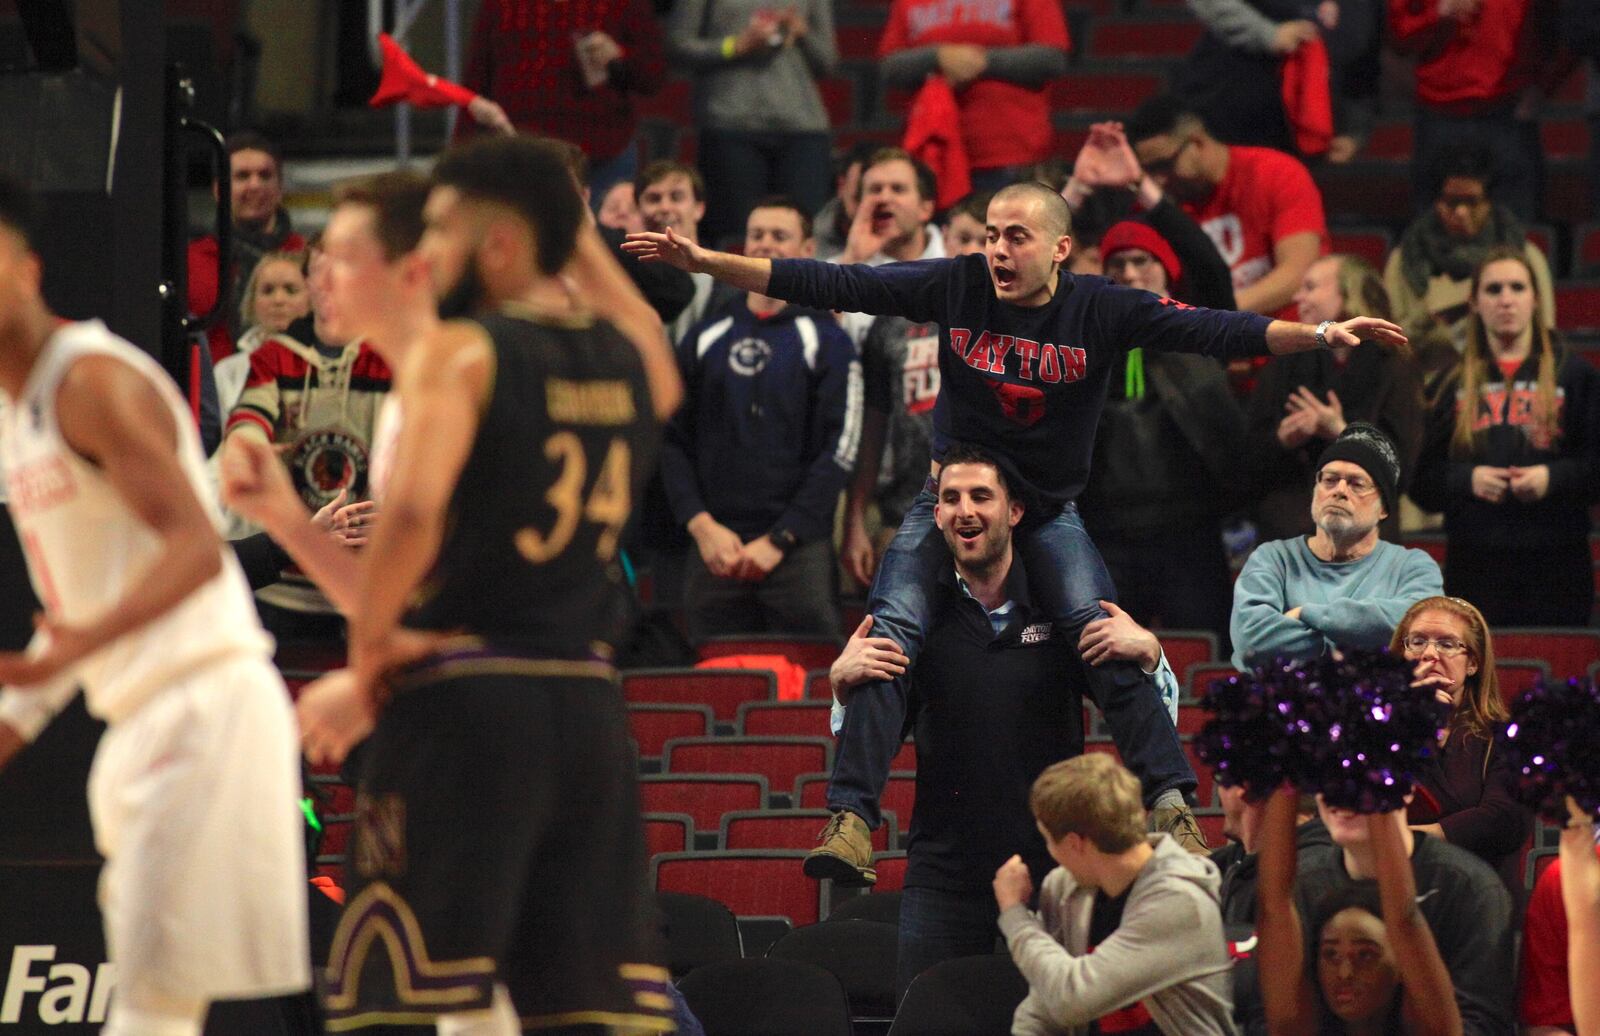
[194, 788]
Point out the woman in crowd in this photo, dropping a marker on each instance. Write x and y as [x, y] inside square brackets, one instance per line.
[1377, 970]
[1465, 796]
[763, 127]
[1301, 403]
[1511, 456]
[275, 296]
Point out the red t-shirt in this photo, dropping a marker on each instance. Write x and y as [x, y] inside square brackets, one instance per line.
[1545, 997]
[1467, 63]
[1001, 123]
[1265, 196]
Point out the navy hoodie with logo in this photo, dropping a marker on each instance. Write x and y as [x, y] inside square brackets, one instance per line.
[1027, 383]
[767, 435]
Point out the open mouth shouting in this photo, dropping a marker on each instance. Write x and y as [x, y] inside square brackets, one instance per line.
[1005, 278]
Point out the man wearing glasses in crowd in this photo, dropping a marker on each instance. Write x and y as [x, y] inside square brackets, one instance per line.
[1341, 585]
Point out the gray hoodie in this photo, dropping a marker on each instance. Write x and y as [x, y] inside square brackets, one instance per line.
[1169, 952]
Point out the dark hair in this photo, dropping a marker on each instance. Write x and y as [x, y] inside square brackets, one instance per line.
[251, 140]
[1468, 161]
[1163, 113]
[927, 182]
[396, 200]
[967, 453]
[974, 206]
[662, 168]
[527, 175]
[19, 208]
[783, 201]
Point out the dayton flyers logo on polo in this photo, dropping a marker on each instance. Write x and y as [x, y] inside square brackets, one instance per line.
[1041, 361]
[1021, 404]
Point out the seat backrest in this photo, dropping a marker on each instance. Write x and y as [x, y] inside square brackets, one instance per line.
[1568, 652]
[705, 797]
[870, 906]
[724, 690]
[668, 833]
[962, 996]
[818, 687]
[767, 997]
[891, 868]
[789, 829]
[1516, 675]
[750, 882]
[783, 719]
[654, 725]
[861, 955]
[699, 930]
[1201, 675]
[809, 651]
[1185, 648]
[779, 759]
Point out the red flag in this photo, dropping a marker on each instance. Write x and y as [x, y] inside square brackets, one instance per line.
[404, 80]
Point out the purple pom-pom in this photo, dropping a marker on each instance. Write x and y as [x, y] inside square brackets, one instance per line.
[1550, 745]
[1351, 728]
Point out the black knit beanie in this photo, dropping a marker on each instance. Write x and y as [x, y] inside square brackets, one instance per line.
[1365, 445]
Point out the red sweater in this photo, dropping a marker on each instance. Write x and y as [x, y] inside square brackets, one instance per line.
[1001, 123]
[1465, 65]
[522, 56]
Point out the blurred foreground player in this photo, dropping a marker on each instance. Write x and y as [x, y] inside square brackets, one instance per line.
[195, 784]
[497, 863]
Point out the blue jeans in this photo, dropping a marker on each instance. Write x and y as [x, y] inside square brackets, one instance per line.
[743, 167]
[936, 925]
[1067, 581]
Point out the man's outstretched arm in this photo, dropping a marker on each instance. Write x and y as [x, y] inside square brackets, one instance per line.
[740, 271]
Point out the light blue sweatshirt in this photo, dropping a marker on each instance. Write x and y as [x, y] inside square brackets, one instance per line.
[1353, 604]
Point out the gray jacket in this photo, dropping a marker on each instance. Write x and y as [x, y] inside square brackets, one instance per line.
[1169, 952]
[774, 89]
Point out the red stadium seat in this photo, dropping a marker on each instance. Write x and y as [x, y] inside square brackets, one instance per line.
[858, 42]
[668, 833]
[670, 103]
[899, 794]
[750, 882]
[1389, 140]
[1537, 863]
[791, 829]
[779, 759]
[1103, 745]
[1120, 39]
[1568, 652]
[1434, 544]
[1211, 827]
[1578, 306]
[817, 685]
[783, 719]
[654, 725]
[722, 689]
[1516, 675]
[1586, 250]
[705, 797]
[1102, 93]
[808, 652]
[839, 98]
[1205, 790]
[1200, 677]
[1185, 648]
[1191, 718]
[1370, 243]
[905, 759]
[891, 868]
[1544, 237]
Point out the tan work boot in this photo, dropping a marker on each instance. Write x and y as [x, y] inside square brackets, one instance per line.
[843, 852]
[1179, 822]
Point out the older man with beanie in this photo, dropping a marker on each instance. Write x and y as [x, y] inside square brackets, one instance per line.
[1341, 586]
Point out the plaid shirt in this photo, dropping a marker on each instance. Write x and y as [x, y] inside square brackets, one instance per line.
[523, 56]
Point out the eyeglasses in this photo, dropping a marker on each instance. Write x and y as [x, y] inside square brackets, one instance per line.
[1329, 481]
[1447, 647]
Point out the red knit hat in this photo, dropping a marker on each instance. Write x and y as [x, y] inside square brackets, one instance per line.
[1133, 234]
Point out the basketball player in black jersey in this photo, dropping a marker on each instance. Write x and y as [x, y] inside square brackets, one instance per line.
[481, 635]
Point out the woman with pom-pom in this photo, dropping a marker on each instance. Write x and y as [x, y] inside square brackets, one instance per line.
[1512, 458]
[1465, 793]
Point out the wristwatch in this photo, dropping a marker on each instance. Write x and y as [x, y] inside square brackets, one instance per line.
[783, 539]
[1322, 333]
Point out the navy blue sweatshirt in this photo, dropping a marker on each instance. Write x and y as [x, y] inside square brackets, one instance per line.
[767, 437]
[1025, 383]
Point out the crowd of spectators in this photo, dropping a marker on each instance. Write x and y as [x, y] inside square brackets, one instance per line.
[806, 435]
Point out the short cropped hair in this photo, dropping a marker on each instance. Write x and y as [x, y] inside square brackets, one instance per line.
[19, 208]
[967, 453]
[1092, 796]
[662, 168]
[396, 200]
[783, 201]
[530, 177]
[1055, 207]
[927, 181]
[1163, 113]
[252, 140]
[974, 206]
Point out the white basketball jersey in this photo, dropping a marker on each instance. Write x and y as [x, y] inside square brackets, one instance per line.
[86, 548]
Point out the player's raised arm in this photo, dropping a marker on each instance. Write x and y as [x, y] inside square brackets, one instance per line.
[116, 419]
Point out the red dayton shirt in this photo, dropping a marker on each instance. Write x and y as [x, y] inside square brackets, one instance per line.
[1467, 64]
[1264, 197]
[522, 56]
[1001, 123]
